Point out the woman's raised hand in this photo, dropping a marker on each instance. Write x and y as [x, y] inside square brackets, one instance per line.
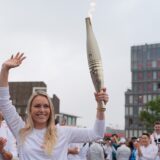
[14, 61]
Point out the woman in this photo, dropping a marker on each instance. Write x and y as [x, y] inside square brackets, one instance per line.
[39, 138]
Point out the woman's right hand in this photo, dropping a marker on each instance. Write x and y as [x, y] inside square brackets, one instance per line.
[14, 61]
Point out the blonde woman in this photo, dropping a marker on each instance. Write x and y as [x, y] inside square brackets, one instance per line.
[39, 138]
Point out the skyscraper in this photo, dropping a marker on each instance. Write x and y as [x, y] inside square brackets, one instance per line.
[145, 73]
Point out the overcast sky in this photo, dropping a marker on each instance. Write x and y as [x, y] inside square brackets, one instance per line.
[52, 35]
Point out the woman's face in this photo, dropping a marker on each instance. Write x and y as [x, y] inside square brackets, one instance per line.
[40, 111]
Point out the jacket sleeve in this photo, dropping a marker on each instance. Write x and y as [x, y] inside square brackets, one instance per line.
[14, 121]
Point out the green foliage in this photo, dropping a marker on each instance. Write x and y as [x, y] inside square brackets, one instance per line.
[150, 114]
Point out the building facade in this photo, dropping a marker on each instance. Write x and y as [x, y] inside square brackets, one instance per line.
[145, 74]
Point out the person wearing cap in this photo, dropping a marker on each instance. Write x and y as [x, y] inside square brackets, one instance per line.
[123, 152]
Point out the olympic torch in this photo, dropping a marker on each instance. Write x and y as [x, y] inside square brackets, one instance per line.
[94, 58]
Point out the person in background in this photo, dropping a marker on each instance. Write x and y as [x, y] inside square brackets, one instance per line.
[38, 138]
[8, 149]
[132, 147]
[123, 151]
[146, 151]
[155, 137]
[108, 148]
[95, 151]
[115, 145]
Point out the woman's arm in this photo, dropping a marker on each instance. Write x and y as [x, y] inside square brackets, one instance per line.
[77, 135]
[8, 110]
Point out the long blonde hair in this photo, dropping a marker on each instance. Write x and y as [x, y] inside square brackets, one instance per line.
[50, 137]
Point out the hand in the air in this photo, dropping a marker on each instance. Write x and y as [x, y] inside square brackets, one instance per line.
[14, 61]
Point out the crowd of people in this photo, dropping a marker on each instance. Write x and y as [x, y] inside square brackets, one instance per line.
[40, 137]
[144, 147]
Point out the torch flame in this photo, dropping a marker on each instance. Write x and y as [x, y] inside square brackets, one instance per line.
[91, 8]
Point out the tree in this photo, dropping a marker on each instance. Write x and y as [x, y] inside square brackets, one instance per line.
[150, 114]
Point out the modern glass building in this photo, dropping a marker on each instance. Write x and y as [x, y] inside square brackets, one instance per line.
[145, 73]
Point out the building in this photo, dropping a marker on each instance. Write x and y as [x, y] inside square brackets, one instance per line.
[145, 74]
[67, 119]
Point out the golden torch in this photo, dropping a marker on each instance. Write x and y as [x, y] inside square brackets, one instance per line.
[94, 58]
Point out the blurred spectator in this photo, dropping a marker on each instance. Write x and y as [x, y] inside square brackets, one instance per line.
[132, 147]
[115, 145]
[155, 137]
[108, 148]
[123, 152]
[8, 149]
[95, 151]
[146, 151]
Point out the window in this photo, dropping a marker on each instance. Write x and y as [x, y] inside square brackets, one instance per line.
[140, 66]
[149, 97]
[140, 133]
[154, 86]
[149, 75]
[140, 99]
[158, 74]
[135, 99]
[149, 64]
[154, 64]
[140, 76]
[126, 133]
[130, 99]
[35, 89]
[154, 75]
[158, 86]
[69, 121]
[140, 87]
[130, 133]
[144, 99]
[158, 63]
[139, 109]
[126, 111]
[149, 87]
[135, 133]
[130, 111]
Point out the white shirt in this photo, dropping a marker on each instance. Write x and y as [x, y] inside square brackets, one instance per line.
[154, 137]
[32, 147]
[11, 142]
[148, 153]
[95, 152]
[123, 152]
[108, 150]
